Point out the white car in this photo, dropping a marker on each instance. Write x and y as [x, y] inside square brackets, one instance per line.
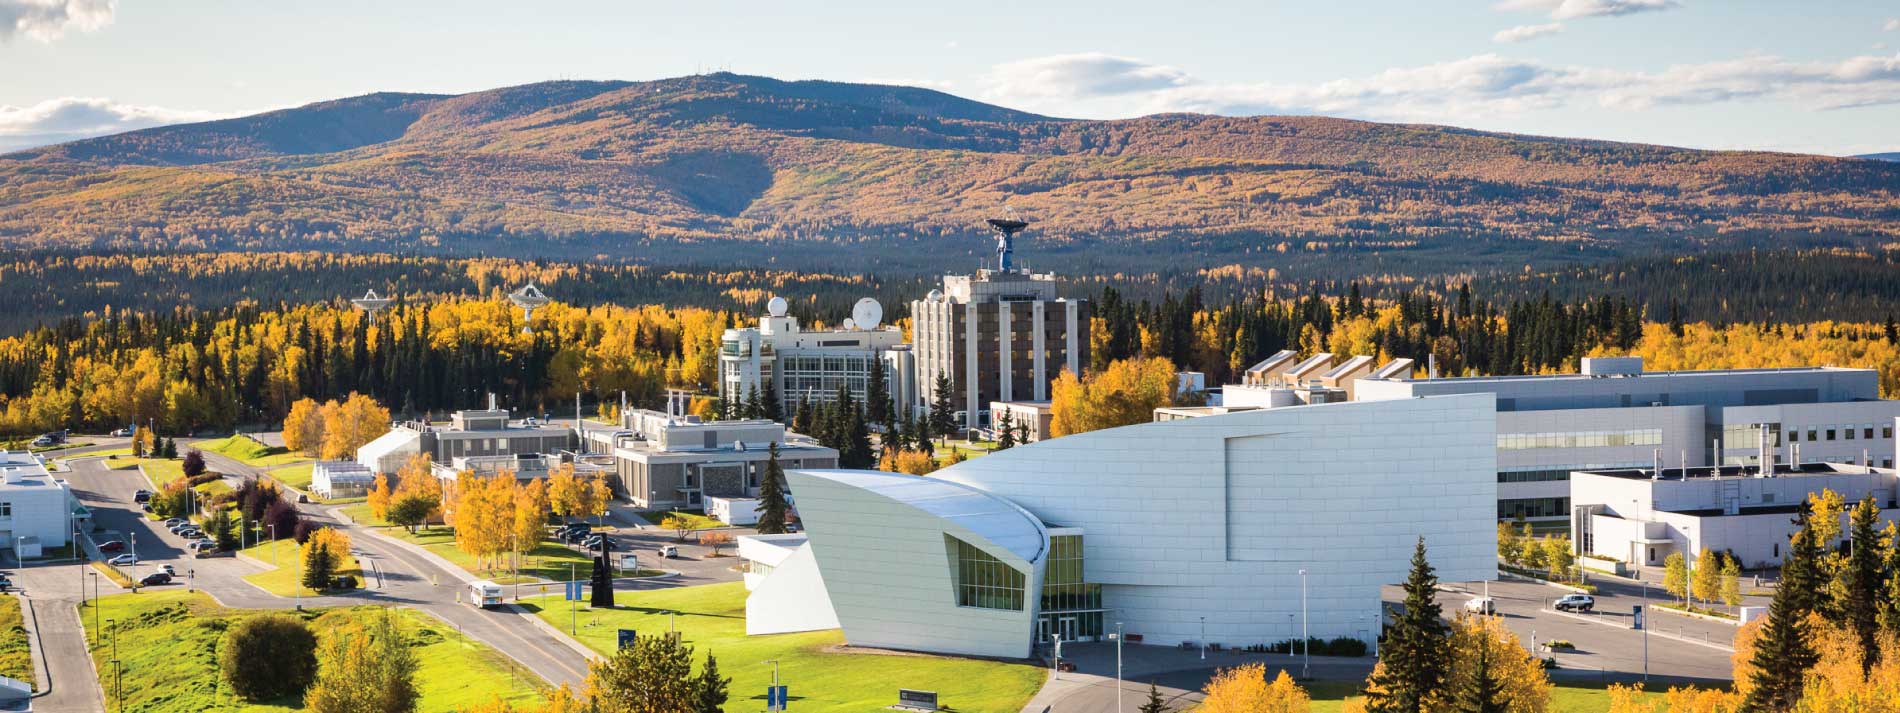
[123, 560]
[1481, 605]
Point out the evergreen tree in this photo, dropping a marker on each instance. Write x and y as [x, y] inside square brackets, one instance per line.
[854, 450]
[1416, 649]
[877, 396]
[1006, 432]
[943, 417]
[920, 435]
[709, 688]
[1782, 655]
[318, 565]
[752, 408]
[1863, 579]
[1483, 691]
[802, 418]
[770, 408]
[1154, 704]
[1801, 571]
[772, 506]
[1022, 431]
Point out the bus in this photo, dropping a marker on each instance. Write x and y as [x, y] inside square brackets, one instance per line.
[484, 594]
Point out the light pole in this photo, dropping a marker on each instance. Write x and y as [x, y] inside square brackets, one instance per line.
[118, 687]
[1645, 631]
[1055, 663]
[1118, 666]
[1306, 637]
[774, 705]
[1203, 638]
[573, 615]
[95, 596]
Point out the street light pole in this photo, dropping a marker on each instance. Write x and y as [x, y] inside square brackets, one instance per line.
[1645, 631]
[774, 704]
[1306, 636]
[573, 615]
[1203, 638]
[1118, 667]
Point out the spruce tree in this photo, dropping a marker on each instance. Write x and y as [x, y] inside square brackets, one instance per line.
[877, 396]
[752, 407]
[920, 433]
[1006, 433]
[857, 439]
[772, 505]
[1863, 580]
[1782, 655]
[1482, 691]
[709, 688]
[769, 406]
[1416, 648]
[1154, 703]
[943, 417]
[1801, 573]
[802, 419]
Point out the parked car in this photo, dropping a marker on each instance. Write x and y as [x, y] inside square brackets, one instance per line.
[168, 570]
[43, 441]
[125, 560]
[180, 527]
[5, 583]
[111, 546]
[141, 496]
[121, 432]
[1482, 605]
[191, 533]
[1575, 602]
[155, 578]
[174, 522]
[202, 545]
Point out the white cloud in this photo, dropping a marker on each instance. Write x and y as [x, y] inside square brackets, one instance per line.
[1525, 32]
[48, 20]
[1075, 76]
[1571, 9]
[71, 118]
[1473, 88]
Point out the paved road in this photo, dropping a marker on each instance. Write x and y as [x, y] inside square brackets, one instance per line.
[1606, 648]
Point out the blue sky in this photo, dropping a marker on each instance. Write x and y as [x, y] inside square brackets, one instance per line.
[1820, 75]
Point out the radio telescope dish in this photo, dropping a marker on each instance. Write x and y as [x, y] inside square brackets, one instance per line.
[776, 306]
[867, 313]
[529, 299]
[372, 303]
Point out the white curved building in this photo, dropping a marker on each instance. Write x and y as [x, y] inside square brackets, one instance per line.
[1164, 527]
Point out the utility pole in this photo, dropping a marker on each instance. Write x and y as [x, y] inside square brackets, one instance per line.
[774, 703]
[1306, 636]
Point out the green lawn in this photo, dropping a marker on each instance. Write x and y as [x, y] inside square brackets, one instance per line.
[296, 476]
[549, 560]
[95, 454]
[16, 655]
[699, 520]
[712, 618]
[359, 513]
[283, 581]
[168, 641]
[248, 450]
[158, 471]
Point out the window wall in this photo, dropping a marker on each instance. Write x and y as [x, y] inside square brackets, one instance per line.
[982, 581]
[1065, 594]
[1580, 439]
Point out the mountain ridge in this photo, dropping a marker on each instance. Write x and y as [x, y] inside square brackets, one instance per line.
[607, 164]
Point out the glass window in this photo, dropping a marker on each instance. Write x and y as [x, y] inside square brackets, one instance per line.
[983, 581]
[1830, 434]
[1794, 436]
[1849, 433]
[1886, 431]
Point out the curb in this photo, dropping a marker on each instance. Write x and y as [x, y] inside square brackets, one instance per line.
[42, 669]
[1545, 582]
[1652, 631]
[462, 575]
[1697, 615]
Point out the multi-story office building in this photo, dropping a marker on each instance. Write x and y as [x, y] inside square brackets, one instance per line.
[666, 460]
[999, 336]
[1224, 529]
[801, 366]
[1616, 415]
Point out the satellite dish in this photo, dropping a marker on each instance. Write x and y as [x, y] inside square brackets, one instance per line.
[849, 325]
[371, 303]
[776, 307]
[867, 313]
[934, 295]
[529, 299]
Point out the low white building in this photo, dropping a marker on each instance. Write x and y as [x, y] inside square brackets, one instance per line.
[673, 460]
[1211, 529]
[788, 594]
[341, 479]
[1641, 516]
[471, 434]
[733, 511]
[36, 509]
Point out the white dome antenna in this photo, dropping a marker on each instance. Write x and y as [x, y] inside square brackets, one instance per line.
[867, 313]
[777, 306]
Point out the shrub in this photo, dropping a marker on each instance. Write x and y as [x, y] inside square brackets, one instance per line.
[268, 656]
[1560, 644]
[194, 463]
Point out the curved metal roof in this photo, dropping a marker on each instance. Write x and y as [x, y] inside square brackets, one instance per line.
[993, 518]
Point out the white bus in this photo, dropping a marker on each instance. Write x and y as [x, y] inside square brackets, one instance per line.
[484, 594]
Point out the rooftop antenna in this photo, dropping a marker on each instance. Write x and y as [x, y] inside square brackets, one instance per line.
[529, 298]
[1006, 229]
[372, 303]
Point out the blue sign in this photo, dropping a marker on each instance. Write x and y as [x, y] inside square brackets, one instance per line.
[627, 637]
[776, 698]
[574, 591]
[1636, 612]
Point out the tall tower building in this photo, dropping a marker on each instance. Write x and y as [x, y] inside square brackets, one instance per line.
[999, 335]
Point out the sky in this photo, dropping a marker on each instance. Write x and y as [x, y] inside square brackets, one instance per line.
[1819, 76]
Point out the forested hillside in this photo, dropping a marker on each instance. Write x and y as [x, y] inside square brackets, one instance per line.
[656, 169]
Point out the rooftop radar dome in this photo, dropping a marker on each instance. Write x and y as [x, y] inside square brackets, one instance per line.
[776, 306]
[867, 313]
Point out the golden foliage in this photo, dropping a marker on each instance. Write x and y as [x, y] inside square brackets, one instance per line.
[1525, 687]
[1125, 393]
[1244, 689]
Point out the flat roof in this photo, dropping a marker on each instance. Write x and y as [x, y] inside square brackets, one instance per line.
[1737, 471]
[1585, 377]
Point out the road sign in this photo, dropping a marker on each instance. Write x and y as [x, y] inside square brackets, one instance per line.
[776, 698]
[1636, 617]
[627, 637]
[574, 590]
[926, 700]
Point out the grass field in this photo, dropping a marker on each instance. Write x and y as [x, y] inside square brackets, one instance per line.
[283, 581]
[168, 646]
[549, 560]
[249, 451]
[95, 454]
[16, 655]
[157, 470]
[698, 520]
[296, 476]
[360, 514]
[712, 618]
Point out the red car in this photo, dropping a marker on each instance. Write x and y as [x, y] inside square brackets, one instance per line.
[111, 546]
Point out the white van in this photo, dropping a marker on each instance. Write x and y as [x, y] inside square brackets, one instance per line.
[484, 594]
[1481, 605]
